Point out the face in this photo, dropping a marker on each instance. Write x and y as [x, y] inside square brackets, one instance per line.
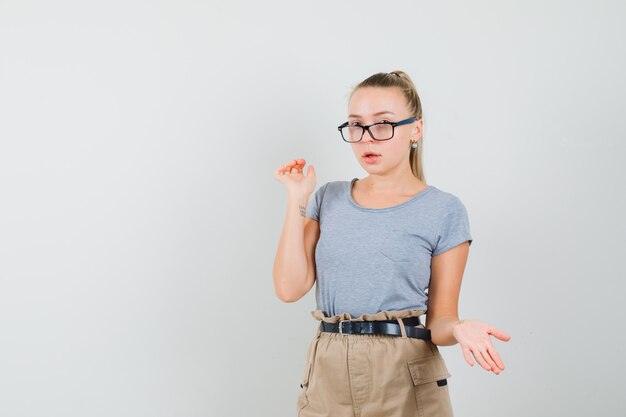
[375, 104]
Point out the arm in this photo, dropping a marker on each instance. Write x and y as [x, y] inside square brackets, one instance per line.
[294, 264]
[447, 271]
[442, 317]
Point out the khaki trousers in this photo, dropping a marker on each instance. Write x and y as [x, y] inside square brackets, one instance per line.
[372, 375]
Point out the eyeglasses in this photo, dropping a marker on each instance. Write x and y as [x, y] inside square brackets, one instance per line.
[378, 131]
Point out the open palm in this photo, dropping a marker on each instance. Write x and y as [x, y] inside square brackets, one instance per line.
[474, 338]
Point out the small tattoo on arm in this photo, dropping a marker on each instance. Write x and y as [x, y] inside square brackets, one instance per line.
[302, 210]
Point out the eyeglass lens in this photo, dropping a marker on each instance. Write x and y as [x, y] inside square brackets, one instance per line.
[377, 131]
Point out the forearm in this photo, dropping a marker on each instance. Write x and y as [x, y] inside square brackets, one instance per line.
[290, 263]
[441, 331]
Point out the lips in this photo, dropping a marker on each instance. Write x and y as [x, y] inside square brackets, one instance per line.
[369, 153]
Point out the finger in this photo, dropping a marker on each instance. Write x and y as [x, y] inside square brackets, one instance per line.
[487, 365]
[489, 360]
[280, 173]
[504, 336]
[494, 354]
[468, 356]
[479, 358]
[294, 166]
[295, 162]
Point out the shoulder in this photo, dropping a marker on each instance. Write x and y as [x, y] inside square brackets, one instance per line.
[333, 187]
[447, 203]
[444, 198]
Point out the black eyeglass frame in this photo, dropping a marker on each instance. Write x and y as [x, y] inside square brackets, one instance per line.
[367, 127]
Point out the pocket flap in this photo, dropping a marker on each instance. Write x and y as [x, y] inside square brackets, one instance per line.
[428, 369]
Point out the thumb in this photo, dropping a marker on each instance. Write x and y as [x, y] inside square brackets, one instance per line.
[310, 171]
[500, 334]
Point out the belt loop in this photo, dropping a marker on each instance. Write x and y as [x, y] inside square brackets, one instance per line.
[402, 328]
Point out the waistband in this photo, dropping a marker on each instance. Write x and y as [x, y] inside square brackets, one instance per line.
[380, 316]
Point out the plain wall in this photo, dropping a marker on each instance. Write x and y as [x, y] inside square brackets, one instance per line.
[139, 217]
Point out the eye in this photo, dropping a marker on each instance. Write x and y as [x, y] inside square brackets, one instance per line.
[384, 121]
[355, 124]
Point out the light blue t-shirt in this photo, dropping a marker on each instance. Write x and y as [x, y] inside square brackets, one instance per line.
[374, 259]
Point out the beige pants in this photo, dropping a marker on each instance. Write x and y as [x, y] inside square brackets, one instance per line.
[373, 375]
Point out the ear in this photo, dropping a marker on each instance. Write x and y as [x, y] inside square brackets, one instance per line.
[416, 133]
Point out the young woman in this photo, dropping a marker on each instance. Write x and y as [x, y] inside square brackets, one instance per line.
[383, 250]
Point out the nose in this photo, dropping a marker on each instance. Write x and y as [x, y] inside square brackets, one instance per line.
[367, 133]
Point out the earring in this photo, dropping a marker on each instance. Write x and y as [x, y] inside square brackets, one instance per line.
[414, 144]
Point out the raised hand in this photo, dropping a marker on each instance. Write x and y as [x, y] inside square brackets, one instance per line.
[474, 337]
[294, 181]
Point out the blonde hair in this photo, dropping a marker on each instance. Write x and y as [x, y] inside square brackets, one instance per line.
[402, 81]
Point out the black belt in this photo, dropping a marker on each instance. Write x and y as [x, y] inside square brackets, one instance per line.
[390, 327]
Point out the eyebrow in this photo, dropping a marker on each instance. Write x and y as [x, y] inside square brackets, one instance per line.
[375, 114]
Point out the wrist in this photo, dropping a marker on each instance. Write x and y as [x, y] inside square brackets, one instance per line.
[457, 323]
[298, 198]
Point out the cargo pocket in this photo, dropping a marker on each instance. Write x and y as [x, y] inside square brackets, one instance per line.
[430, 382]
[303, 401]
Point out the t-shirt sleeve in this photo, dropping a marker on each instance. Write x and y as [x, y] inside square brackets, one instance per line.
[314, 205]
[454, 228]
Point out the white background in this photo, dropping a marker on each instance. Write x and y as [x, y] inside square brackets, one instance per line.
[139, 217]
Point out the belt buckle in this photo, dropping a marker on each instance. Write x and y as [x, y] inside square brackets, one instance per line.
[341, 329]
